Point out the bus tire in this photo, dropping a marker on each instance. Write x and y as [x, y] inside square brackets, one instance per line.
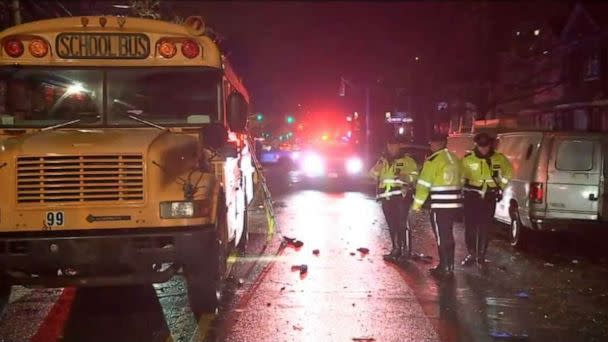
[5, 294]
[205, 279]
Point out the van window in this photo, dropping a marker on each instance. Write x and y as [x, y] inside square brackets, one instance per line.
[574, 155]
[529, 151]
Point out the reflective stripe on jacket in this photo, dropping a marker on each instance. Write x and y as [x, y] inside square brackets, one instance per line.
[440, 179]
[385, 172]
[480, 174]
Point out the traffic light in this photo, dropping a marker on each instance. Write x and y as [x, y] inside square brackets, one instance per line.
[290, 119]
[259, 117]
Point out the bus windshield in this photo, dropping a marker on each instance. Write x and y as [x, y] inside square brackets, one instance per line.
[42, 97]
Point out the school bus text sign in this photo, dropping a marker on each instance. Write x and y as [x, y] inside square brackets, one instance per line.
[79, 45]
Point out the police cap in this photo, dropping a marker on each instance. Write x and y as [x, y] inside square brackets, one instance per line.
[483, 139]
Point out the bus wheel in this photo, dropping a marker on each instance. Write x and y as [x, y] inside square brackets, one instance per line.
[205, 278]
[205, 284]
[5, 294]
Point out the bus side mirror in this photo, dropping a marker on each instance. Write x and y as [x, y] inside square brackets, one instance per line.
[213, 136]
[238, 112]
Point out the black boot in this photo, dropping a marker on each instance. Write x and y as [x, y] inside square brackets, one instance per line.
[468, 260]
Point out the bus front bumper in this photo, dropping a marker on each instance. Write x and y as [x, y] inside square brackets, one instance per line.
[100, 258]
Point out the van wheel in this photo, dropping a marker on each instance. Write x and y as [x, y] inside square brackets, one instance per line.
[205, 277]
[518, 233]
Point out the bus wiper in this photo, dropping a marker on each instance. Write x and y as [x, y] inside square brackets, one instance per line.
[63, 124]
[87, 117]
[129, 114]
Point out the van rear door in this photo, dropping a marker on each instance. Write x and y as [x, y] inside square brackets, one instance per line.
[574, 178]
[604, 182]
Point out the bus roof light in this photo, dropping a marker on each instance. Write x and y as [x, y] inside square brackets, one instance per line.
[13, 47]
[167, 49]
[38, 48]
[190, 49]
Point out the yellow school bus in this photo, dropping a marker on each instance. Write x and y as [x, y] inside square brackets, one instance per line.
[123, 155]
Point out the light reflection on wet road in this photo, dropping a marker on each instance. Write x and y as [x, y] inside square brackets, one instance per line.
[343, 296]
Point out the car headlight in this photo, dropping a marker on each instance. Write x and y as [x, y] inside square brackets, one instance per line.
[177, 209]
[354, 165]
[313, 165]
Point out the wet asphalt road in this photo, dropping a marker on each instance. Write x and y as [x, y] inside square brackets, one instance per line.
[555, 291]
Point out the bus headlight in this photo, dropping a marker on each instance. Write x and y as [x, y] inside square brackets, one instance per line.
[181, 209]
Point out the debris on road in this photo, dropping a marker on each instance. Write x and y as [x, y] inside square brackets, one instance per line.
[293, 242]
[268, 304]
[363, 250]
[297, 328]
[522, 294]
[505, 336]
[548, 264]
[316, 252]
[302, 268]
[353, 253]
[364, 339]
[282, 289]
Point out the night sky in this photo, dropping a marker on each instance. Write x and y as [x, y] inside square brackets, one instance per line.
[294, 52]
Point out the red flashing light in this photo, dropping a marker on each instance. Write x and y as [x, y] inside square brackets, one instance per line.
[167, 49]
[38, 48]
[536, 192]
[13, 47]
[190, 49]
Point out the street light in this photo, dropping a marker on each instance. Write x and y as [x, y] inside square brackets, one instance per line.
[259, 117]
[290, 119]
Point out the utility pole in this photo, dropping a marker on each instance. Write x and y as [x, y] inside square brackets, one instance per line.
[368, 114]
[15, 12]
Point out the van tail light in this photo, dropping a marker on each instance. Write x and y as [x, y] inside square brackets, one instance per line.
[167, 49]
[38, 48]
[190, 49]
[536, 192]
[13, 47]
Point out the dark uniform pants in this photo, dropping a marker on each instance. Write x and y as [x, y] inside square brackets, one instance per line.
[478, 216]
[442, 222]
[396, 211]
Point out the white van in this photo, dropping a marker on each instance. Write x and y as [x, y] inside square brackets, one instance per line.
[559, 181]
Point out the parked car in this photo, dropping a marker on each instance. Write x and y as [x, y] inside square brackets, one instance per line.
[559, 182]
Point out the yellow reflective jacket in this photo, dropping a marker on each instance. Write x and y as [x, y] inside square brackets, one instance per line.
[441, 179]
[403, 168]
[481, 174]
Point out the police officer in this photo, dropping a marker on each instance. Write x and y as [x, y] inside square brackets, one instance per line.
[394, 172]
[485, 173]
[440, 179]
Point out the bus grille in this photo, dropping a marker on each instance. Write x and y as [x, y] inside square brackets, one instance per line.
[90, 178]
